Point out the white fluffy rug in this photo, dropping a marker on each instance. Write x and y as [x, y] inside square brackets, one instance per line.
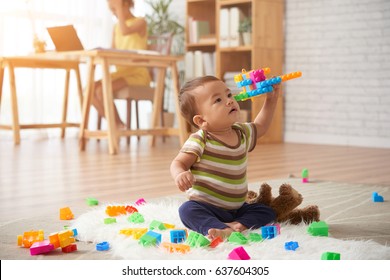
[91, 228]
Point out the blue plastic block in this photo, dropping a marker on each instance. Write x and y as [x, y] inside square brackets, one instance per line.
[376, 197]
[104, 246]
[292, 245]
[178, 235]
[269, 232]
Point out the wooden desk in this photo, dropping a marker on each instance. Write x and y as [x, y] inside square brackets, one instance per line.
[44, 60]
[107, 57]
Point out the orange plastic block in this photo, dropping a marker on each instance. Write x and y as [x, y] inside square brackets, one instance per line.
[69, 248]
[113, 211]
[176, 248]
[290, 76]
[136, 233]
[215, 242]
[66, 238]
[29, 237]
[66, 214]
[54, 239]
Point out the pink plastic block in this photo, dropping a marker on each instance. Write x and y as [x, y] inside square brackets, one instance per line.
[239, 253]
[41, 247]
[140, 201]
[305, 180]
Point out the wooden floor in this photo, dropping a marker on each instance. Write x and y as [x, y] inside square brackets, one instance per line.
[41, 176]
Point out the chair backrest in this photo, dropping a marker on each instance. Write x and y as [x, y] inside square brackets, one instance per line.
[161, 43]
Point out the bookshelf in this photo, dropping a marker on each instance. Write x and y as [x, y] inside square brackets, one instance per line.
[266, 48]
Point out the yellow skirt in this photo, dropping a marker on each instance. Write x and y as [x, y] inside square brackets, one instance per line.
[132, 75]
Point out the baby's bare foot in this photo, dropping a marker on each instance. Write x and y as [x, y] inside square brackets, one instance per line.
[236, 226]
[223, 233]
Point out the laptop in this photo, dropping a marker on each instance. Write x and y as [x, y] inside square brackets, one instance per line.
[65, 38]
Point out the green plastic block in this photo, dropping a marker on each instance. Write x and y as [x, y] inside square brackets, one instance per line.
[318, 229]
[109, 221]
[255, 237]
[148, 240]
[157, 225]
[197, 240]
[305, 173]
[330, 256]
[136, 218]
[92, 201]
[237, 238]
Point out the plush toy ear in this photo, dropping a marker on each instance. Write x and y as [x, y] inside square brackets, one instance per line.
[285, 189]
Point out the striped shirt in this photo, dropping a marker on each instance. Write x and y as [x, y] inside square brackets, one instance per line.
[220, 169]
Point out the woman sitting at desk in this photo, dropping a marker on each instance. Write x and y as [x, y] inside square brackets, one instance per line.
[130, 33]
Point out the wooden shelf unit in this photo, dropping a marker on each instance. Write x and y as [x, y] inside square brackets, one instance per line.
[266, 50]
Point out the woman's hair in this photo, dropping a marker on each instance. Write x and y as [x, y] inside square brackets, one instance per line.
[187, 99]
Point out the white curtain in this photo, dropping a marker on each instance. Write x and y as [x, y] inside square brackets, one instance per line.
[40, 92]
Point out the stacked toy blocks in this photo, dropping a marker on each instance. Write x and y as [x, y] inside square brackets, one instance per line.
[255, 83]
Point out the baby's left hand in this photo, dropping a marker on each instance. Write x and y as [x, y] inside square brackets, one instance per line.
[273, 95]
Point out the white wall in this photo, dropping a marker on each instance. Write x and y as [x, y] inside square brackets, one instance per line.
[343, 49]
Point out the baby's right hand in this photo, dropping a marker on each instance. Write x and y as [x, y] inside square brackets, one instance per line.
[184, 180]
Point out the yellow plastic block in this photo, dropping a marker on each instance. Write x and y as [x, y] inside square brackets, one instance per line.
[29, 237]
[66, 214]
[66, 238]
[20, 240]
[168, 226]
[136, 233]
[176, 248]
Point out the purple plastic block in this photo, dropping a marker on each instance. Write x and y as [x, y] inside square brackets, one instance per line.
[239, 253]
[41, 247]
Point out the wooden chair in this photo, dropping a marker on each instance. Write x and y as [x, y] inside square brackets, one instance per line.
[162, 44]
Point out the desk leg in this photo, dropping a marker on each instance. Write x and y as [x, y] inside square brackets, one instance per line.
[87, 104]
[79, 86]
[109, 109]
[157, 102]
[14, 105]
[182, 124]
[65, 104]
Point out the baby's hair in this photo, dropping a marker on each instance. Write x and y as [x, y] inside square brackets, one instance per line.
[187, 98]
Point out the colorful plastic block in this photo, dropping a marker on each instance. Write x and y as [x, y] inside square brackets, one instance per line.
[29, 237]
[269, 232]
[92, 201]
[197, 240]
[175, 248]
[239, 253]
[169, 226]
[254, 82]
[318, 229]
[305, 175]
[331, 256]
[131, 209]
[115, 210]
[66, 238]
[54, 239]
[237, 238]
[255, 237]
[41, 247]
[136, 218]
[70, 248]
[178, 235]
[292, 245]
[157, 225]
[66, 214]
[150, 239]
[103, 246]
[376, 197]
[215, 242]
[140, 201]
[136, 233]
[108, 221]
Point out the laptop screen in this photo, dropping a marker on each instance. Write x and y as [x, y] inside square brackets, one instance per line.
[65, 38]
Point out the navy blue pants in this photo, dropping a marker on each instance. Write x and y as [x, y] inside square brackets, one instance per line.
[201, 217]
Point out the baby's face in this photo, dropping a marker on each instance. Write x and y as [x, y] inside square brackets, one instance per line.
[216, 105]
